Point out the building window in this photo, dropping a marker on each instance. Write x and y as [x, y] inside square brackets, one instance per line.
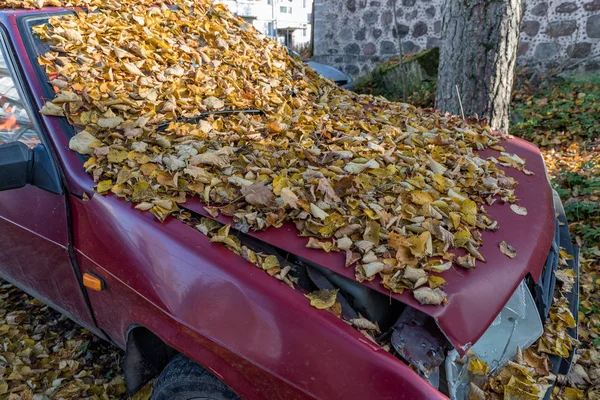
[304, 32]
[269, 2]
[283, 9]
[304, 3]
[270, 29]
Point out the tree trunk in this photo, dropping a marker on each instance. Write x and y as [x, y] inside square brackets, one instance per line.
[478, 58]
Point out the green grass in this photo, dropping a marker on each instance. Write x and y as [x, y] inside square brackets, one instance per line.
[555, 118]
[564, 111]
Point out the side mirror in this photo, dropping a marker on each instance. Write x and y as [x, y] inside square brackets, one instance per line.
[16, 165]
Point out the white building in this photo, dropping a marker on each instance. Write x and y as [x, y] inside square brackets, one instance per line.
[287, 20]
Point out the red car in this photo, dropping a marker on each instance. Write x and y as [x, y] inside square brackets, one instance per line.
[212, 325]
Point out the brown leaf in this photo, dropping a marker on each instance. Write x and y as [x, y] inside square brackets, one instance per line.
[258, 194]
[507, 249]
[363, 323]
[218, 158]
[81, 143]
[428, 296]
[325, 188]
[466, 261]
[289, 197]
[52, 109]
[351, 258]
[476, 393]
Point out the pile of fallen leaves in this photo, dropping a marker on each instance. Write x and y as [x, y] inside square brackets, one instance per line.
[192, 101]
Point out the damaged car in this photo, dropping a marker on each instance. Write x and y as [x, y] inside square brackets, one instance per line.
[207, 322]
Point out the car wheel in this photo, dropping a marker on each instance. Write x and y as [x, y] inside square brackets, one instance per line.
[183, 379]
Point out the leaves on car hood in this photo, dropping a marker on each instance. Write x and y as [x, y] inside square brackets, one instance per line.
[408, 181]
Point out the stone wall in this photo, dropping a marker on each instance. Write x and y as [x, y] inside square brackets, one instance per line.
[356, 35]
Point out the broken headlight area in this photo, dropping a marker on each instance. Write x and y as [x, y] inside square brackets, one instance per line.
[410, 335]
[518, 325]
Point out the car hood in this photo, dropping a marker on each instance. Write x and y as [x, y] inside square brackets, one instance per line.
[329, 72]
[475, 296]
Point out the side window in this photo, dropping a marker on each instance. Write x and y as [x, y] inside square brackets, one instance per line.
[14, 121]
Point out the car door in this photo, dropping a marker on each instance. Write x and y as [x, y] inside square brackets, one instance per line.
[34, 224]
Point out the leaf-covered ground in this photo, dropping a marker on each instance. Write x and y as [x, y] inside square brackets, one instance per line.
[45, 355]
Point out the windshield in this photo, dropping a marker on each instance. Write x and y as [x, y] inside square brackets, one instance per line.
[37, 48]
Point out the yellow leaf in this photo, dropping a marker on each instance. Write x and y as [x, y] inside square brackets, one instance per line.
[323, 298]
[316, 244]
[82, 143]
[279, 183]
[270, 262]
[91, 161]
[573, 394]
[104, 186]
[455, 218]
[469, 210]
[396, 240]
[520, 390]
[421, 198]
[289, 197]
[116, 156]
[420, 245]
[3, 387]
[461, 238]
[436, 281]
[372, 232]
[478, 367]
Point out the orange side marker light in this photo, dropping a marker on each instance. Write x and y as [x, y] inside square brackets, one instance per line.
[93, 282]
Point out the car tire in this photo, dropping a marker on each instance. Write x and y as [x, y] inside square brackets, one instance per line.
[183, 379]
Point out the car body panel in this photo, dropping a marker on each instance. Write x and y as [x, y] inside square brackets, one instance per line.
[171, 279]
[475, 296]
[34, 237]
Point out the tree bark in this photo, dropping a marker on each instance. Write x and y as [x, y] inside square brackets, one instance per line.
[478, 56]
